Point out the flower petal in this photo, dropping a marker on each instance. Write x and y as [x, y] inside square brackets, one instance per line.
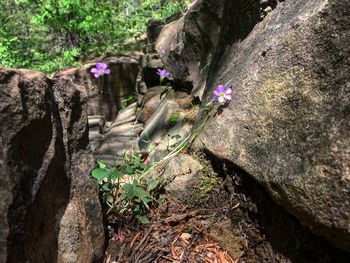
[228, 91]
[221, 99]
[103, 66]
[220, 88]
[99, 66]
[94, 70]
[97, 75]
[228, 97]
[216, 93]
[107, 71]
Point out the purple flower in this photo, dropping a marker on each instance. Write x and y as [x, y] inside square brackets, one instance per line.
[100, 69]
[222, 94]
[163, 73]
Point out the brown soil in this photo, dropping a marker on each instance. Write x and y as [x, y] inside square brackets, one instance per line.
[237, 222]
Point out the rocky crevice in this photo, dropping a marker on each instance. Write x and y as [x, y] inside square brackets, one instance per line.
[271, 234]
[46, 162]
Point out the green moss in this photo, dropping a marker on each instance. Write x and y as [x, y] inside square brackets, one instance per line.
[210, 181]
[174, 117]
[202, 193]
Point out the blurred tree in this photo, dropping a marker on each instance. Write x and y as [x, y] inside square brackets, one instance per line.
[48, 35]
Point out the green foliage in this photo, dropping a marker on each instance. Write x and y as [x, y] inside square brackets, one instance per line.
[48, 35]
[173, 118]
[124, 188]
[201, 194]
[128, 100]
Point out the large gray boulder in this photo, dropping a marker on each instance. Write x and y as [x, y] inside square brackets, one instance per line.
[49, 205]
[288, 125]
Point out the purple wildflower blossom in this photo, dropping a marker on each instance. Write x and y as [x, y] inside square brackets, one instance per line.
[100, 69]
[222, 94]
[163, 73]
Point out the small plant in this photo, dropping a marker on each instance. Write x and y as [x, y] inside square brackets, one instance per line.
[124, 188]
[127, 100]
[173, 118]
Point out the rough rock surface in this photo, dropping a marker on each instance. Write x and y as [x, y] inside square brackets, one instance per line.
[288, 125]
[116, 86]
[49, 205]
[121, 137]
[183, 173]
[186, 45]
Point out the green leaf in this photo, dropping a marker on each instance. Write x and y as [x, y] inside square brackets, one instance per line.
[99, 174]
[116, 174]
[139, 192]
[142, 194]
[160, 201]
[129, 190]
[105, 187]
[152, 183]
[109, 199]
[128, 169]
[143, 219]
[101, 164]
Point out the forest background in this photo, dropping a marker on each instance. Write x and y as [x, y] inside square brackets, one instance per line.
[48, 35]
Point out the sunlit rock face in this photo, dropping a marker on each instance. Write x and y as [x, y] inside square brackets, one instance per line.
[117, 85]
[49, 204]
[288, 123]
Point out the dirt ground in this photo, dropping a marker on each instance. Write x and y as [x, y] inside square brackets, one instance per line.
[236, 222]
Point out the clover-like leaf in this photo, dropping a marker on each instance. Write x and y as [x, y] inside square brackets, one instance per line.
[143, 219]
[129, 190]
[99, 173]
[101, 164]
[152, 183]
[116, 174]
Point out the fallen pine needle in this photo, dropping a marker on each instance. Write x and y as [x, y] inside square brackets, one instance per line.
[134, 239]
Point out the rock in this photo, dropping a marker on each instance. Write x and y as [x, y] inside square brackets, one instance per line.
[186, 236]
[153, 29]
[121, 136]
[186, 45]
[288, 125]
[96, 126]
[151, 101]
[96, 121]
[175, 134]
[183, 173]
[116, 86]
[126, 115]
[126, 129]
[142, 87]
[233, 243]
[50, 211]
[157, 124]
